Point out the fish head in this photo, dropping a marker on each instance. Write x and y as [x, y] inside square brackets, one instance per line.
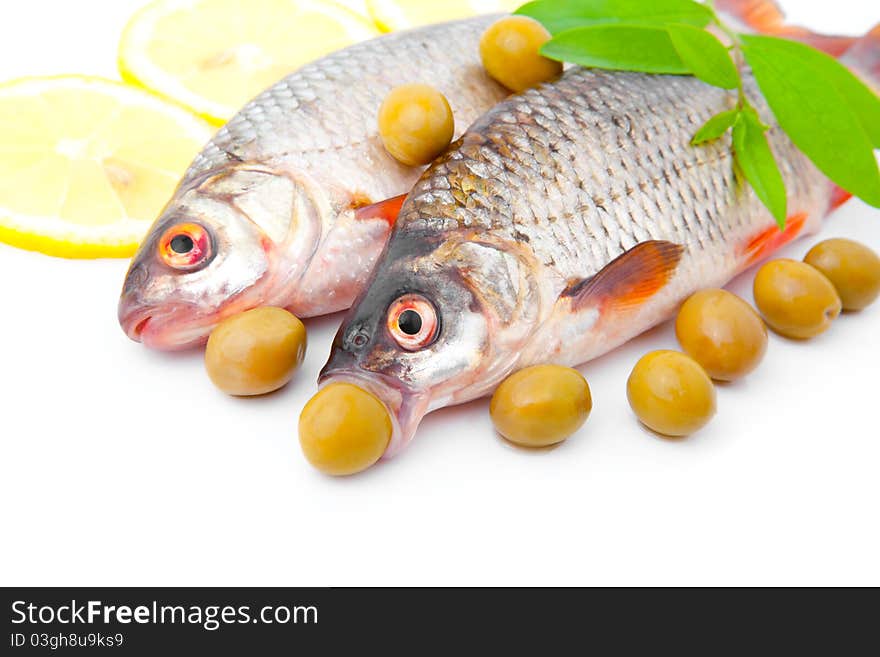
[439, 324]
[232, 241]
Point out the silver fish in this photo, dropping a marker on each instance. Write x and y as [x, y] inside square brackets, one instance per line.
[568, 220]
[276, 210]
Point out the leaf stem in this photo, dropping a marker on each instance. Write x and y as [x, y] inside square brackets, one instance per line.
[738, 58]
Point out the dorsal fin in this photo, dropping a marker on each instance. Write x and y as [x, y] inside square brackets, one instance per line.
[761, 15]
[765, 17]
[864, 57]
[629, 280]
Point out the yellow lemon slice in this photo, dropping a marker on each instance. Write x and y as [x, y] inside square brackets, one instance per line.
[391, 15]
[357, 6]
[213, 56]
[87, 164]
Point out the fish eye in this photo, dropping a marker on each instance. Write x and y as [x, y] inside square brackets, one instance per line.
[185, 246]
[182, 244]
[413, 322]
[410, 322]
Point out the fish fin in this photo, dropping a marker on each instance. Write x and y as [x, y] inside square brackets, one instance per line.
[766, 17]
[864, 58]
[839, 196]
[772, 239]
[830, 44]
[761, 15]
[387, 210]
[629, 280]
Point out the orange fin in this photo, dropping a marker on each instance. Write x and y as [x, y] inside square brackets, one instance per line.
[761, 15]
[387, 210]
[629, 280]
[830, 44]
[838, 197]
[765, 17]
[772, 239]
[864, 57]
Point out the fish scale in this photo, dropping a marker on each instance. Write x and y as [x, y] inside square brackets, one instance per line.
[290, 117]
[566, 221]
[561, 142]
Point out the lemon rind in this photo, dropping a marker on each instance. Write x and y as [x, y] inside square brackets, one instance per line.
[70, 247]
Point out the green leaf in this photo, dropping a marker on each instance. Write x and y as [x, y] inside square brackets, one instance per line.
[861, 99]
[858, 96]
[704, 55]
[823, 109]
[676, 49]
[756, 161]
[561, 15]
[715, 127]
[618, 48]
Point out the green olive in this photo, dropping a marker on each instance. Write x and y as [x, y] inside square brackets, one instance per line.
[796, 300]
[510, 50]
[722, 333]
[852, 268]
[541, 405]
[344, 429]
[255, 352]
[671, 394]
[416, 124]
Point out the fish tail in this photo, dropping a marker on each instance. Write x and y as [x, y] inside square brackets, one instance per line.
[864, 58]
[766, 17]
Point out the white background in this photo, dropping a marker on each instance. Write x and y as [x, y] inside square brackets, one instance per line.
[119, 466]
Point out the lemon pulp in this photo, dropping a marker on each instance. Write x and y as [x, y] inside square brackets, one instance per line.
[86, 164]
[215, 55]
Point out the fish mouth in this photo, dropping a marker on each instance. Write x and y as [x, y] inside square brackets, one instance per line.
[171, 329]
[405, 407]
[139, 328]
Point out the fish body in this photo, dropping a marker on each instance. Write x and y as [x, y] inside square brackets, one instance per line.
[281, 198]
[566, 221]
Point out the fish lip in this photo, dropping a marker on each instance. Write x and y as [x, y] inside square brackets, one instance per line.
[139, 328]
[133, 319]
[151, 327]
[405, 407]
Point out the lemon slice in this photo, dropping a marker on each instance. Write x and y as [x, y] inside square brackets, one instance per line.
[87, 164]
[391, 15]
[215, 55]
[357, 6]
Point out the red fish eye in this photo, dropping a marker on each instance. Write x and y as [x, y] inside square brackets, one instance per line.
[185, 246]
[412, 322]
